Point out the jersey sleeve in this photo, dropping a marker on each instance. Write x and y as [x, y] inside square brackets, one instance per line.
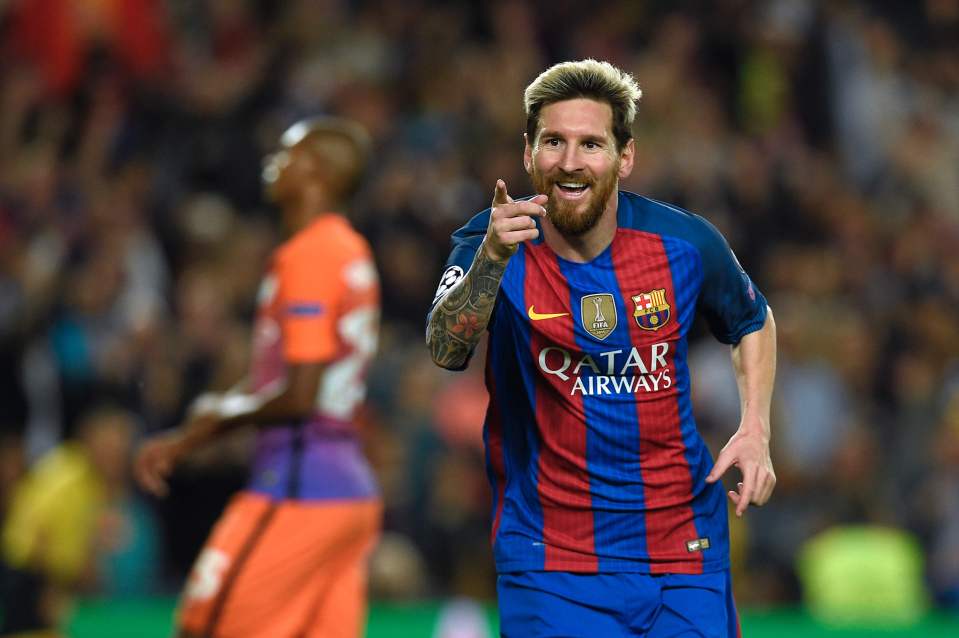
[310, 292]
[730, 301]
[466, 241]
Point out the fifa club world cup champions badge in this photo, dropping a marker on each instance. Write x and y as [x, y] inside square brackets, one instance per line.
[599, 314]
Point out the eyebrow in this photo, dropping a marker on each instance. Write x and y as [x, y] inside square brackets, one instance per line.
[546, 133]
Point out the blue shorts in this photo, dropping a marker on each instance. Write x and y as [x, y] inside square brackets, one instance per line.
[568, 605]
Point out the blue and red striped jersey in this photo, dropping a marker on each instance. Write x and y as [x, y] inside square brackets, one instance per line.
[593, 455]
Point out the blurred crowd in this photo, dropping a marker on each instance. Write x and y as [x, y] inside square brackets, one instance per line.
[822, 138]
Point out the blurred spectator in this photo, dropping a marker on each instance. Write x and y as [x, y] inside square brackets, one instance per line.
[938, 504]
[64, 39]
[68, 518]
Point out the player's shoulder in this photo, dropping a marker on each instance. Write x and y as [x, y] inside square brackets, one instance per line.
[653, 216]
[475, 227]
[328, 250]
[64, 465]
[328, 238]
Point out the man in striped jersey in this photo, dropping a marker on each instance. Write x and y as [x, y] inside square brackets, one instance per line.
[608, 515]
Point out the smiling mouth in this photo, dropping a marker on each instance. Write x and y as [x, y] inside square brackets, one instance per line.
[571, 190]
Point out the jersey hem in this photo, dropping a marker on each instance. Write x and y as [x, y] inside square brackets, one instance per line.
[675, 567]
[272, 496]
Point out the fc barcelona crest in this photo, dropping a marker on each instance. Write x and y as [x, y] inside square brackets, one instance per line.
[652, 311]
[599, 314]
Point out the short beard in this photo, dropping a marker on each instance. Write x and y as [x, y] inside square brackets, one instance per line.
[562, 214]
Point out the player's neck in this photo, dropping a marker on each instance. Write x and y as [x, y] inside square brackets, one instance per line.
[585, 247]
[305, 211]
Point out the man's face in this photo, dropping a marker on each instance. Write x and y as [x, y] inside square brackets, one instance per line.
[286, 175]
[274, 174]
[285, 171]
[574, 161]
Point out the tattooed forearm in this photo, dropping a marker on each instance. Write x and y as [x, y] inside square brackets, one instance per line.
[458, 321]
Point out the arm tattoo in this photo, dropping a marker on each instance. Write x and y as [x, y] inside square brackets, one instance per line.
[458, 320]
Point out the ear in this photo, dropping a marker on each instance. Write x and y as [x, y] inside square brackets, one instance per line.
[626, 157]
[527, 155]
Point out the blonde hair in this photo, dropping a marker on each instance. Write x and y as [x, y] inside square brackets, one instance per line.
[585, 79]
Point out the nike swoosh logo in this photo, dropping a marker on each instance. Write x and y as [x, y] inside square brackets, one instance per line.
[535, 316]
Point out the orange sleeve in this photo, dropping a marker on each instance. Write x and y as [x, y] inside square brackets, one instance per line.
[310, 291]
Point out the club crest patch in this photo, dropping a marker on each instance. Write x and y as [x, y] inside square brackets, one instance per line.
[652, 311]
[598, 312]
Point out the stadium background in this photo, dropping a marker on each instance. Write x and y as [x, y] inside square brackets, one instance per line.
[821, 137]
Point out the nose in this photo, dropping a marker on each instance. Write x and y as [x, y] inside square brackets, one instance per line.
[571, 160]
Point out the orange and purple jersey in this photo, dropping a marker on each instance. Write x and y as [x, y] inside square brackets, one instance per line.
[319, 303]
[593, 455]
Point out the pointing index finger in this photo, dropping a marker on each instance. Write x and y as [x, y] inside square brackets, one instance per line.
[500, 195]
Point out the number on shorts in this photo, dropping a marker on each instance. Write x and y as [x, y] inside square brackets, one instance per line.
[207, 576]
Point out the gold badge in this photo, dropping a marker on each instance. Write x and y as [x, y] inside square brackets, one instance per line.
[652, 311]
[599, 314]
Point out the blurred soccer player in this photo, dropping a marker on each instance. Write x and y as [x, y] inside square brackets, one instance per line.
[608, 517]
[288, 556]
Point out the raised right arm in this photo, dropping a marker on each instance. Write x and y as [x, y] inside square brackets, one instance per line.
[459, 318]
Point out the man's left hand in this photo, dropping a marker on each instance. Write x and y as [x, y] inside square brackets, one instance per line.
[749, 451]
